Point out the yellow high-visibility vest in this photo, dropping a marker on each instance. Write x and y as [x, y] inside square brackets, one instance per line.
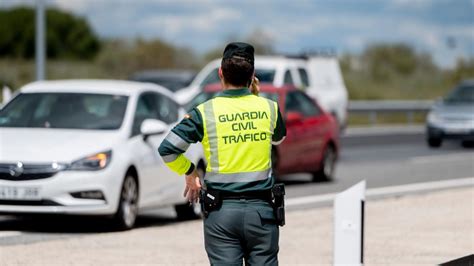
[237, 138]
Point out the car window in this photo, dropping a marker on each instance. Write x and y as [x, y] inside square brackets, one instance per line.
[167, 109]
[297, 101]
[212, 78]
[288, 79]
[265, 75]
[463, 93]
[304, 76]
[146, 109]
[65, 110]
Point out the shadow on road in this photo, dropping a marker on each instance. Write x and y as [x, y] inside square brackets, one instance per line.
[299, 179]
[74, 224]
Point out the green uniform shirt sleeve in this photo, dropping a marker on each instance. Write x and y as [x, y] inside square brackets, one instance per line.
[280, 129]
[189, 130]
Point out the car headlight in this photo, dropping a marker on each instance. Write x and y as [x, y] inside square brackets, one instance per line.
[434, 118]
[94, 162]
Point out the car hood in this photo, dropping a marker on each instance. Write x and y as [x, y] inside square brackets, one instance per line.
[458, 110]
[52, 145]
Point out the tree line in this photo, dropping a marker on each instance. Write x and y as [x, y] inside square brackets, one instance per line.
[67, 36]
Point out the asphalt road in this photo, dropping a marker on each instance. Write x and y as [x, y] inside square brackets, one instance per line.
[380, 159]
[389, 160]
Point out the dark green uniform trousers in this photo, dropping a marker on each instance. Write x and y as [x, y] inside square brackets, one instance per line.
[242, 229]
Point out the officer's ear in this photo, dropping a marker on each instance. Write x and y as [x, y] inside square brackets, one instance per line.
[221, 76]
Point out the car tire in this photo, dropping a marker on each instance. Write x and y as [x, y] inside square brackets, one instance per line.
[326, 170]
[468, 143]
[185, 212]
[434, 142]
[127, 211]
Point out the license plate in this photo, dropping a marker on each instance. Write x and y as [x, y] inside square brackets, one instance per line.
[19, 193]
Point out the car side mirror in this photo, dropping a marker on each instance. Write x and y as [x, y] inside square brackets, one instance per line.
[293, 117]
[152, 127]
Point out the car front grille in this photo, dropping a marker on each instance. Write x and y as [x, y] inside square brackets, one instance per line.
[456, 119]
[23, 172]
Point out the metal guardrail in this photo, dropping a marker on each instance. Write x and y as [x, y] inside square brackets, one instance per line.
[372, 108]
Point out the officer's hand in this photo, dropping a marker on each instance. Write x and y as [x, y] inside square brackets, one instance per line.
[193, 186]
[255, 86]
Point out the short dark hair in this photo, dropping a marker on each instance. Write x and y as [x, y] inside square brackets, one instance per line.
[237, 71]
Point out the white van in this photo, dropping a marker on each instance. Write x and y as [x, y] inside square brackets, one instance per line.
[320, 77]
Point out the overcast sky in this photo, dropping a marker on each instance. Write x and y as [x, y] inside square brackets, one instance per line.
[345, 25]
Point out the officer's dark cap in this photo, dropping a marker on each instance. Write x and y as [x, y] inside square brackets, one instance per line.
[239, 50]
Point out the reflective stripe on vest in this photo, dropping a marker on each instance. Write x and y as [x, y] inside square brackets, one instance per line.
[273, 115]
[271, 104]
[169, 158]
[238, 177]
[177, 141]
[212, 135]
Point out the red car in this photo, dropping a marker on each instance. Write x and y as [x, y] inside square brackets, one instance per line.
[312, 139]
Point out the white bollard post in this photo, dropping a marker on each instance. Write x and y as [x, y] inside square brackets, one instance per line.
[349, 226]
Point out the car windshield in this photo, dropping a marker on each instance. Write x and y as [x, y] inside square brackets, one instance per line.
[265, 75]
[461, 94]
[64, 110]
[204, 96]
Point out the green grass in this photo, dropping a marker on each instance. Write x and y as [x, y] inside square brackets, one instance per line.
[417, 87]
[385, 118]
[17, 73]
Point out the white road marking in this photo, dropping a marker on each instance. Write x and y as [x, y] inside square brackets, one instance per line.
[419, 187]
[383, 191]
[442, 158]
[4, 234]
[310, 199]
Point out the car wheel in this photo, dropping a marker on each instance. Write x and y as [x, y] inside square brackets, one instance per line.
[185, 212]
[434, 142]
[326, 171]
[128, 204]
[468, 143]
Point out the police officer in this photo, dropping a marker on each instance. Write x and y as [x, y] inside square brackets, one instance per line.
[237, 130]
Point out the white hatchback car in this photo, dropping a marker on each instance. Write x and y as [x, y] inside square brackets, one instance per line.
[89, 147]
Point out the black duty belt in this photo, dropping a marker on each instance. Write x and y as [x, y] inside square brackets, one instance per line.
[261, 194]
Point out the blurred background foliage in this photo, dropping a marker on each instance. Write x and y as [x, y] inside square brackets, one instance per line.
[67, 36]
[380, 71]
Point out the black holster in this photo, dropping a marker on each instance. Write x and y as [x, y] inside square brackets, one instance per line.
[278, 202]
[210, 201]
